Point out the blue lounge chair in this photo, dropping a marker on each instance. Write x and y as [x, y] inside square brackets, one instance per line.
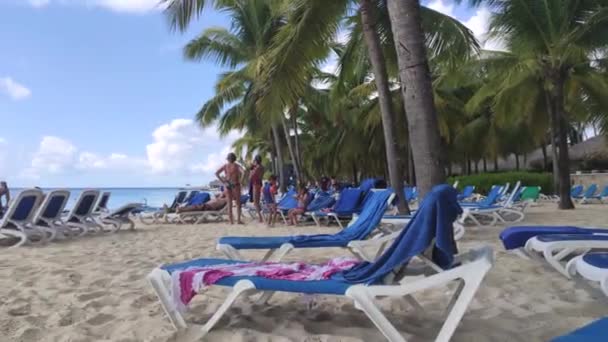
[466, 193]
[321, 200]
[16, 222]
[598, 197]
[589, 193]
[359, 230]
[344, 208]
[81, 216]
[591, 266]
[555, 244]
[159, 214]
[490, 209]
[48, 215]
[594, 332]
[576, 191]
[431, 229]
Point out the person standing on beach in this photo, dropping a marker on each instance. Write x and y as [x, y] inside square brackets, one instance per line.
[4, 192]
[255, 179]
[233, 174]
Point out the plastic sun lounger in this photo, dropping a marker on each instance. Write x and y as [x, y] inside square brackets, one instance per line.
[102, 204]
[344, 208]
[279, 246]
[119, 217]
[383, 278]
[81, 216]
[591, 266]
[554, 244]
[576, 191]
[197, 217]
[489, 209]
[157, 216]
[467, 193]
[17, 220]
[598, 197]
[589, 193]
[592, 332]
[48, 215]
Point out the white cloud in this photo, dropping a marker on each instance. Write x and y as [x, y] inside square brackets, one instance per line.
[14, 89]
[127, 6]
[479, 23]
[54, 155]
[178, 148]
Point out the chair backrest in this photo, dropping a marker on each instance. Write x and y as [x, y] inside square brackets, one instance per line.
[321, 201]
[604, 192]
[102, 204]
[468, 191]
[410, 193]
[492, 196]
[370, 216]
[530, 193]
[84, 204]
[591, 190]
[52, 206]
[576, 191]
[125, 210]
[505, 189]
[199, 198]
[288, 201]
[367, 184]
[513, 196]
[22, 208]
[348, 200]
[180, 197]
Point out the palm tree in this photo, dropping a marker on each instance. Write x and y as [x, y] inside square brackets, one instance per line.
[417, 92]
[253, 25]
[551, 44]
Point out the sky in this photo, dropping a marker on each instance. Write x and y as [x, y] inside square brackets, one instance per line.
[96, 93]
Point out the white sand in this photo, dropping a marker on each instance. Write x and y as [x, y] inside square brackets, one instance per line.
[94, 289]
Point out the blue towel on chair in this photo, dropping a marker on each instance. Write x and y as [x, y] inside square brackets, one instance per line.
[321, 201]
[433, 221]
[593, 332]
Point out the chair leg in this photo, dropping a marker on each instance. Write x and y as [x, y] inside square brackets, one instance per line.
[161, 283]
[239, 288]
[366, 303]
[15, 233]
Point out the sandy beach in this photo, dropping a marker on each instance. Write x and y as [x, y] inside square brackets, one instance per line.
[94, 289]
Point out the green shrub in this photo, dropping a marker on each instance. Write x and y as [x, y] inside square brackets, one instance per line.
[484, 181]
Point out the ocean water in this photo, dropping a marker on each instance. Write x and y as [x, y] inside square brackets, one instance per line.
[152, 197]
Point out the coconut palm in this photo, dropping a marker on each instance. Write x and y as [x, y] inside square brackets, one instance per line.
[551, 44]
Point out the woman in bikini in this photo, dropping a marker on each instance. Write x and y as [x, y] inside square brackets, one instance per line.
[232, 178]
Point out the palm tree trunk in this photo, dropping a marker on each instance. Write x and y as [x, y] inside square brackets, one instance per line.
[485, 164]
[495, 164]
[294, 160]
[377, 61]
[553, 131]
[294, 124]
[516, 162]
[476, 166]
[417, 93]
[277, 144]
[355, 173]
[558, 119]
[543, 148]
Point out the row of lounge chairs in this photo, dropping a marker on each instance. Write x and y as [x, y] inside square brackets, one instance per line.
[589, 195]
[35, 217]
[426, 246]
[169, 215]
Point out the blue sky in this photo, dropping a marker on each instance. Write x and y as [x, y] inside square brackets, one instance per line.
[96, 93]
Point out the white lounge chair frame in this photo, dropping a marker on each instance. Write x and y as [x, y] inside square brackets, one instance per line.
[494, 214]
[86, 222]
[114, 221]
[22, 228]
[197, 217]
[55, 227]
[469, 275]
[557, 253]
[160, 216]
[589, 272]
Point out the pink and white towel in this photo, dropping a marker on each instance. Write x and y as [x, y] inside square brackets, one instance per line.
[188, 282]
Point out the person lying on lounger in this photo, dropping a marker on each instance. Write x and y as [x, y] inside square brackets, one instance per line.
[215, 204]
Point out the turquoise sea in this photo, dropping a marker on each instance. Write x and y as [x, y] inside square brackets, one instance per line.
[153, 197]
